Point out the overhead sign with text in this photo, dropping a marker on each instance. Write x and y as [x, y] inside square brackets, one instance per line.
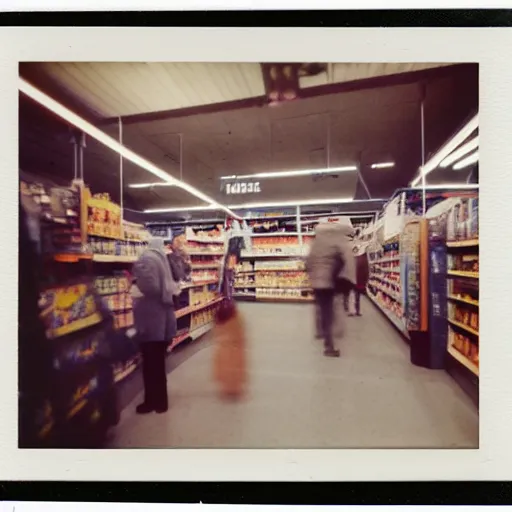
[240, 187]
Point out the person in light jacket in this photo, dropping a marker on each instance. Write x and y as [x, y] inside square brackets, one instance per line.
[155, 322]
[331, 271]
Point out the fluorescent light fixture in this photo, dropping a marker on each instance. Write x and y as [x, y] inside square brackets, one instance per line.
[460, 152]
[69, 116]
[184, 209]
[452, 144]
[151, 185]
[383, 165]
[466, 162]
[304, 202]
[290, 174]
[451, 186]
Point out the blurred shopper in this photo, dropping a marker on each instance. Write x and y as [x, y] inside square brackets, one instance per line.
[230, 359]
[179, 260]
[330, 267]
[362, 275]
[155, 322]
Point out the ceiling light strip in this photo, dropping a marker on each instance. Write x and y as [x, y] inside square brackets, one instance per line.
[69, 116]
[466, 162]
[460, 152]
[290, 174]
[451, 145]
[383, 165]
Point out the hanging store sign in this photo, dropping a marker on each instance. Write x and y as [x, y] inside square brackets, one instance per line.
[240, 187]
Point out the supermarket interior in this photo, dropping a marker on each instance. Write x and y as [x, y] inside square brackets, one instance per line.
[236, 172]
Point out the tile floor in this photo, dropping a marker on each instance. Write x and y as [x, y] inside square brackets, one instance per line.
[372, 397]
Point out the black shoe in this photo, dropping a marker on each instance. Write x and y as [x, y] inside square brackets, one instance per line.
[359, 314]
[144, 409]
[331, 352]
[161, 410]
[351, 314]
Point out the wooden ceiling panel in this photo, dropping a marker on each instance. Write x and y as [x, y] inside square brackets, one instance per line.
[127, 88]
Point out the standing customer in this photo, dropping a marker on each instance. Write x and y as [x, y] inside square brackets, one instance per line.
[155, 322]
[325, 265]
[179, 259]
[362, 275]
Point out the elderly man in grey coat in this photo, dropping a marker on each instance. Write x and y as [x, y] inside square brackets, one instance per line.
[155, 322]
[331, 268]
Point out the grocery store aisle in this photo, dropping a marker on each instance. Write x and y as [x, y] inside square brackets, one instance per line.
[371, 397]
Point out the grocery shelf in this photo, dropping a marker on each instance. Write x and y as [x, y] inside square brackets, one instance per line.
[391, 317]
[112, 258]
[78, 325]
[385, 260]
[274, 233]
[387, 281]
[205, 253]
[284, 299]
[461, 358]
[462, 273]
[192, 309]
[197, 284]
[465, 301]
[72, 257]
[205, 267]
[244, 295]
[279, 270]
[120, 376]
[463, 243]
[275, 287]
[464, 327]
[206, 241]
[269, 255]
[394, 296]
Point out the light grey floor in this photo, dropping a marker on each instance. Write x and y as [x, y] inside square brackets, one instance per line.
[372, 397]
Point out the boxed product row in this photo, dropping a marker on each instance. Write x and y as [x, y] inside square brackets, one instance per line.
[203, 295]
[388, 303]
[464, 345]
[123, 320]
[104, 217]
[81, 351]
[198, 247]
[203, 317]
[282, 294]
[135, 232]
[244, 280]
[463, 262]
[462, 221]
[69, 308]
[80, 395]
[384, 288]
[280, 265]
[106, 285]
[274, 241]
[466, 289]
[215, 233]
[282, 279]
[465, 316]
[204, 275]
[206, 260]
[112, 247]
[119, 302]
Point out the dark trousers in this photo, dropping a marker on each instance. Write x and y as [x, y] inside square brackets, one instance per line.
[154, 373]
[325, 304]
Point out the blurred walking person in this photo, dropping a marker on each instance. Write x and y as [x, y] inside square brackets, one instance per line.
[330, 267]
[362, 276]
[155, 322]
